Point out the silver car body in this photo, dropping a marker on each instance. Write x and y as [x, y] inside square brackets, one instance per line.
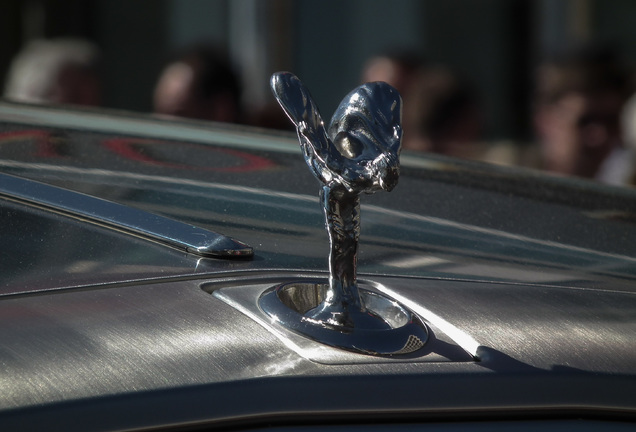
[526, 284]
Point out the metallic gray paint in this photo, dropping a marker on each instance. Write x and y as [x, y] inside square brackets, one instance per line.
[532, 317]
[122, 218]
[140, 343]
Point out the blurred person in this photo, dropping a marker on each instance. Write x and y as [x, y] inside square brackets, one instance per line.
[440, 111]
[270, 116]
[625, 172]
[61, 71]
[579, 99]
[448, 114]
[402, 70]
[201, 84]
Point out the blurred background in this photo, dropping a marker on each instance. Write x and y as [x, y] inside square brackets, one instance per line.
[493, 47]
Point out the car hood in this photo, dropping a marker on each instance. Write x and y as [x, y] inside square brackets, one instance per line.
[525, 282]
[446, 218]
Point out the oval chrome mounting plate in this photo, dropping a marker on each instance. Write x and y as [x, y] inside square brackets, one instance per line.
[381, 327]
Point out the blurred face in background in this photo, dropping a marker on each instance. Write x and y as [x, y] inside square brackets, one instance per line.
[578, 131]
[76, 85]
[199, 85]
[174, 93]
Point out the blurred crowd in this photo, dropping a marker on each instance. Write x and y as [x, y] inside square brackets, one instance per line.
[583, 107]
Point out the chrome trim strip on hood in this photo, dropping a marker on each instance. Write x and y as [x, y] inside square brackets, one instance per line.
[122, 218]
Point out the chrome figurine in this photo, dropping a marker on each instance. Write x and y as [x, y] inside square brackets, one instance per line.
[358, 153]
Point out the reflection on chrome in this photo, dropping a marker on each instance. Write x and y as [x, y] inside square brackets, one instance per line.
[463, 339]
[380, 327]
[359, 152]
[122, 218]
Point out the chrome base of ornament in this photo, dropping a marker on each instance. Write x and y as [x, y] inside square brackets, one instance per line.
[380, 327]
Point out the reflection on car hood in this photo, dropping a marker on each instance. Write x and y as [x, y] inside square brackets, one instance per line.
[525, 282]
[446, 218]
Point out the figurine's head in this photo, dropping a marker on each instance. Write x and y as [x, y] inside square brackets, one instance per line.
[366, 129]
[360, 150]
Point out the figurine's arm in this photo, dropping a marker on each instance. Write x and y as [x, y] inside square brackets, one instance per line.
[299, 106]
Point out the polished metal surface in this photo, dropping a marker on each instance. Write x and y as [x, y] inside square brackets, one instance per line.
[122, 218]
[380, 327]
[478, 426]
[475, 235]
[359, 153]
[526, 283]
[171, 352]
[46, 252]
[300, 295]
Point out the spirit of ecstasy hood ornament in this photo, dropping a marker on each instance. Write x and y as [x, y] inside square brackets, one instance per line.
[359, 152]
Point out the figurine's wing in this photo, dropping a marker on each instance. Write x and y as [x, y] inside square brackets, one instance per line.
[297, 103]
